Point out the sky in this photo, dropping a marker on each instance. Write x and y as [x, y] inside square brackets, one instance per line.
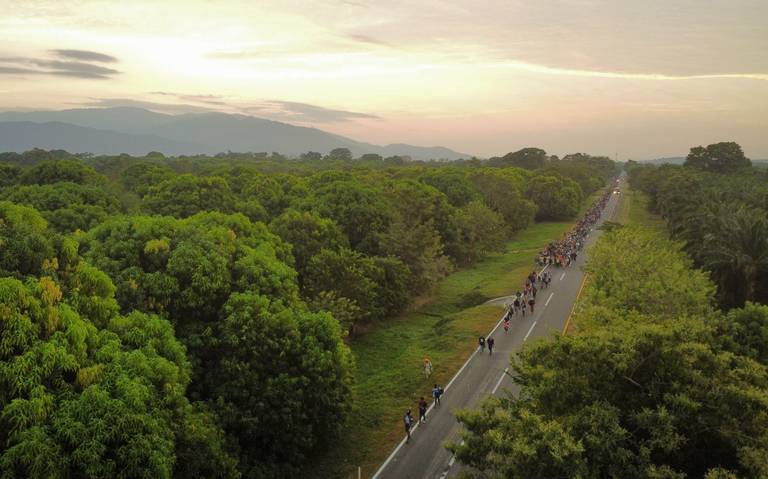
[633, 79]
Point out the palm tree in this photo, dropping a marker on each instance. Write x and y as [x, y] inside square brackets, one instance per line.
[737, 246]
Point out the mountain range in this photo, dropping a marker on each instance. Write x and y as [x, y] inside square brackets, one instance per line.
[679, 160]
[136, 131]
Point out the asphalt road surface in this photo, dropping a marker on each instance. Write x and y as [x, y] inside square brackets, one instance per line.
[424, 457]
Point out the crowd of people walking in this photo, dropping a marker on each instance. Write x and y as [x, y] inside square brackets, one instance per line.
[564, 252]
[557, 254]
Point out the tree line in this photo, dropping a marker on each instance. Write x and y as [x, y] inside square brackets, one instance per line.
[655, 381]
[189, 316]
[717, 205]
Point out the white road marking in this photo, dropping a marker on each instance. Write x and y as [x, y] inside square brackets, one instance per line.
[496, 387]
[450, 464]
[431, 406]
[529, 331]
[562, 276]
[548, 299]
[460, 370]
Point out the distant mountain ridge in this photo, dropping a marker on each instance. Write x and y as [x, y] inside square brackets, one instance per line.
[137, 131]
[679, 160]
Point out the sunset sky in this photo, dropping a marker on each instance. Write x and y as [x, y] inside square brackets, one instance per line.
[637, 78]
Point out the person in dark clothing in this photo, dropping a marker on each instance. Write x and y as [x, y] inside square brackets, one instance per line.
[491, 342]
[437, 392]
[408, 423]
[422, 410]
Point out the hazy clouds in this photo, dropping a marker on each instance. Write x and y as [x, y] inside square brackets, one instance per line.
[75, 63]
[641, 78]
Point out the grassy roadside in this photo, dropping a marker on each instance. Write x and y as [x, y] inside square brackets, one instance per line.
[633, 209]
[443, 328]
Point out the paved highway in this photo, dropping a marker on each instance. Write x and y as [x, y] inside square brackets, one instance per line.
[424, 457]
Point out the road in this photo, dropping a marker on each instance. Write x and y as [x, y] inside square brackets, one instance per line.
[424, 457]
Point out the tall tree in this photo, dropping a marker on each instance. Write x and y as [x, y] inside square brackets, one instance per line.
[723, 157]
[528, 158]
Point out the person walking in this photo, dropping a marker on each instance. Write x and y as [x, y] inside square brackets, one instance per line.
[481, 343]
[506, 324]
[531, 302]
[437, 393]
[422, 410]
[491, 342]
[408, 423]
[427, 367]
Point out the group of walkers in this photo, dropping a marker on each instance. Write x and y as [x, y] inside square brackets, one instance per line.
[559, 253]
[564, 252]
[409, 422]
[525, 300]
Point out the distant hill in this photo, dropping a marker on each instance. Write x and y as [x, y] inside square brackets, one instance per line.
[139, 131]
[25, 135]
[679, 160]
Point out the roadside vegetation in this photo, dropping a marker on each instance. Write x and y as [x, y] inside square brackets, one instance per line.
[665, 372]
[239, 315]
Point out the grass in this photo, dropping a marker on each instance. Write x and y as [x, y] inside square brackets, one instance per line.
[633, 209]
[443, 328]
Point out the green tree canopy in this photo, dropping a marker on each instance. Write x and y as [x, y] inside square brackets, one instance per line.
[280, 382]
[556, 197]
[527, 158]
[340, 154]
[480, 231]
[67, 206]
[360, 211]
[140, 177]
[25, 242]
[9, 174]
[186, 195]
[307, 233]
[55, 171]
[79, 401]
[723, 157]
[453, 183]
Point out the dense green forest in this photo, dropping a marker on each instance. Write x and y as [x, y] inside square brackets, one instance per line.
[666, 374]
[190, 316]
[717, 205]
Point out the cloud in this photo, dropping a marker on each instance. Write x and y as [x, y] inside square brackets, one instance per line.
[76, 69]
[199, 98]
[287, 111]
[5, 70]
[305, 112]
[85, 55]
[171, 108]
[67, 68]
[628, 76]
[360, 38]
